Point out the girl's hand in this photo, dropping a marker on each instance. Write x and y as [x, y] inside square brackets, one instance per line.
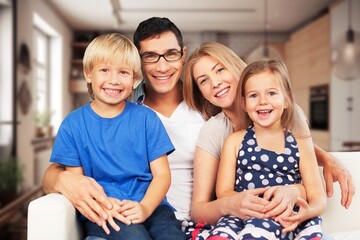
[291, 222]
[282, 201]
[114, 213]
[134, 211]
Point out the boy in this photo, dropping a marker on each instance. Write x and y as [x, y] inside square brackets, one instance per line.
[121, 145]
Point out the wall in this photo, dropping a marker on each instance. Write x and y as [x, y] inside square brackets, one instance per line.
[344, 124]
[25, 11]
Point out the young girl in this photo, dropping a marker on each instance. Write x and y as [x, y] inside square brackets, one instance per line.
[275, 150]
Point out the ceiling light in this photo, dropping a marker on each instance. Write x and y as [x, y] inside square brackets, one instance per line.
[346, 54]
[264, 51]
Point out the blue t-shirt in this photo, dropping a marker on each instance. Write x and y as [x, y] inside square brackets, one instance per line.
[117, 151]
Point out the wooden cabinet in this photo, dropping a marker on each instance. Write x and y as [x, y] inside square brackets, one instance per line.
[77, 81]
[307, 55]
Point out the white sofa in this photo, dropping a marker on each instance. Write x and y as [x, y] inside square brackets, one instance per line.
[53, 217]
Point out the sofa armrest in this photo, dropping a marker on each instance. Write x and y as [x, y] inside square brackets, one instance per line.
[52, 217]
[337, 219]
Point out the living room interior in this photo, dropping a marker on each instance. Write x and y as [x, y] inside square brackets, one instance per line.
[42, 43]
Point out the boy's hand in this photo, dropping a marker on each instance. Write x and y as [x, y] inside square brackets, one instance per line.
[134, 211]
[114, 213]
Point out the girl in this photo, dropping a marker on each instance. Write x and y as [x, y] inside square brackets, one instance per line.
[275, 150]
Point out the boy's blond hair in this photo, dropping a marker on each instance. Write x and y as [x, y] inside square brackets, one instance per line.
[111, 48]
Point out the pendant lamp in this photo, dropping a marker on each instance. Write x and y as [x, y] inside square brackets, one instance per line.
[346, 54]
[264, 51]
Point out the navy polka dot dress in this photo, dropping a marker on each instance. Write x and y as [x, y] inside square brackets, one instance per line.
[257, 168]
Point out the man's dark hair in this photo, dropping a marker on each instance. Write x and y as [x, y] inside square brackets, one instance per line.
[154, 26]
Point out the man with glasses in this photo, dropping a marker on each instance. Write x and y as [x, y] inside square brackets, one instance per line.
[162, 52]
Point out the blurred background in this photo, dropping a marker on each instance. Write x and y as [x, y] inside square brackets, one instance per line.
[42, 43]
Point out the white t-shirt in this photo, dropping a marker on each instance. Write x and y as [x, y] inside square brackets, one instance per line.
[213, 134]
[183, 127]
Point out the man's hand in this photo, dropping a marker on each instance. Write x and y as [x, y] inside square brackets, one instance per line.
[334, 171]
[85, 194]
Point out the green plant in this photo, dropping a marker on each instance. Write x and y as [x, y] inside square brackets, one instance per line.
[43, 118]
[10, 174]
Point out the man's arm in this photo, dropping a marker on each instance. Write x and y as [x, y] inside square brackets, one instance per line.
[83, 192]
[334, 171]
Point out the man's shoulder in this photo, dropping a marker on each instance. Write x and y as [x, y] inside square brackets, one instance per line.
[138, 94]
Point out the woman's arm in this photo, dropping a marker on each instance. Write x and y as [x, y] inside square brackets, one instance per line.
[79, 189]
[205, 208]
[334, 171]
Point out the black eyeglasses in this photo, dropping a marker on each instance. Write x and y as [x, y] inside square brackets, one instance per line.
[170, 56]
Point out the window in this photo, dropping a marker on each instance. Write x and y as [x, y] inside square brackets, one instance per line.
[6, 82]
[41, 71]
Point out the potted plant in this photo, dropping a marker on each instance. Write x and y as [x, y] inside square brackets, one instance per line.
[42, 122]
[10, 178]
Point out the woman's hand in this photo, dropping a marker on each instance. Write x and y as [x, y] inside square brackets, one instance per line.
[247, 204]
[282, 200]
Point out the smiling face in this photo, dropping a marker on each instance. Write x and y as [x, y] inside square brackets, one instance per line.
[215, 82]
[264, 100]
[161, 77]
[111, 85]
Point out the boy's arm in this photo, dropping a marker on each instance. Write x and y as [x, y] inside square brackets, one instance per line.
[79, 189]
[154, 194]
[159, 185]
[334, 171]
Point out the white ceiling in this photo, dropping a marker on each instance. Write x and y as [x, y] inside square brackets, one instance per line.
[191, 15]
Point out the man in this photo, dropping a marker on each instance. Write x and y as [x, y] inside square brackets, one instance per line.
[162, 52]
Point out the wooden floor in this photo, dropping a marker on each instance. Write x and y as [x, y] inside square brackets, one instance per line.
[13, 216]
[16, 229]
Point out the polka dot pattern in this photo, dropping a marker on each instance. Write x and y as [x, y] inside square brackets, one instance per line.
[258, 167]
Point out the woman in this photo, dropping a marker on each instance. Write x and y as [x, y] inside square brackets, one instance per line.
[210, 80]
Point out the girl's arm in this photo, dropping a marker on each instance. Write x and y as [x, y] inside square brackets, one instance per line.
[316, 198]
[205, 208]
[310, 175]
[227, 166]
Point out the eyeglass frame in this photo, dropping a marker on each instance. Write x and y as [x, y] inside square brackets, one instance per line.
[163, 56]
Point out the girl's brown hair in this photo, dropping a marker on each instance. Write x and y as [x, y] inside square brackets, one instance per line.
[293, 117]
